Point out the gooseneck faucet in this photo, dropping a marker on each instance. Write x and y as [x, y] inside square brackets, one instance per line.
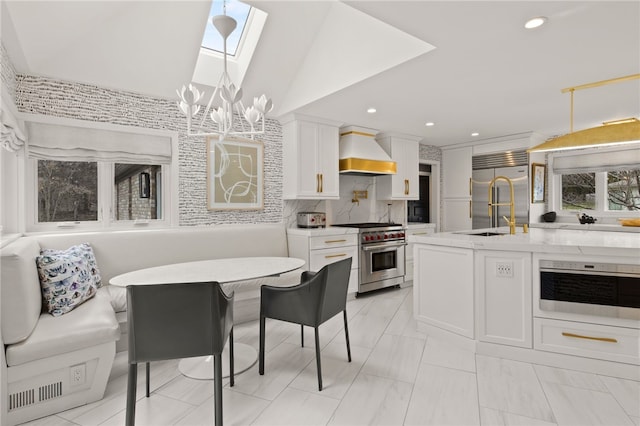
[512, 220]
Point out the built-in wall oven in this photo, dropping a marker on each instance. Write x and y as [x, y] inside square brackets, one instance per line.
[382, 255]
[590, 288]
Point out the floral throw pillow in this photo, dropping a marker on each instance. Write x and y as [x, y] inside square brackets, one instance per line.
[67, 279]
[85, 251]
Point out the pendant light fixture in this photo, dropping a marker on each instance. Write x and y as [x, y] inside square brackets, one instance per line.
[232, 118]
[610, 133]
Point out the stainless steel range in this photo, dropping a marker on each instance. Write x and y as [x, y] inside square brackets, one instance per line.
[382, 247]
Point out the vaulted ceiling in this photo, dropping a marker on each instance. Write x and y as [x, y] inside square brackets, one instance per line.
[466, 66]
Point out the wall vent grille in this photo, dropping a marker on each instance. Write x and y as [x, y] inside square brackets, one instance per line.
[28, 397]
[502, 159]
[21, 399]
[52, 390]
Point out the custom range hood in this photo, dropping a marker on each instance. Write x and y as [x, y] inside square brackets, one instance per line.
[360, 154]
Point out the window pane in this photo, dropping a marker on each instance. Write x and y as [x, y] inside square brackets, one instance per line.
[579, 191]
[67, 191]
[137, 191]
[622, 190]
[212, 39]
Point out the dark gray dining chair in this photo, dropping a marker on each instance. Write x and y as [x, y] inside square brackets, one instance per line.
[171, 321]
[319, 297]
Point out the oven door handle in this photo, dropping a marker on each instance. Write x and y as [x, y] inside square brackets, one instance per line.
[382, 246]
[587, 272]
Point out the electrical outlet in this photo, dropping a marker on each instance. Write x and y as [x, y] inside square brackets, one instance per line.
[504, 269]
[77, 374]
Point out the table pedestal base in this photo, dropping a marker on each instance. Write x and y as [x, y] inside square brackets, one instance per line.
[201, 367]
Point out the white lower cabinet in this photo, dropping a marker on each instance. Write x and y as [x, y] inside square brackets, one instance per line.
[443, 288]
[320, 250]
[408, 253]
[588, 340]
[504, 297]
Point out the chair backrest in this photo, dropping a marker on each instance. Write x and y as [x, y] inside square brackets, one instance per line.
[333, 298]
[169, 321]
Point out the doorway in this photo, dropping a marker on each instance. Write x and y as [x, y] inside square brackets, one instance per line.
[419, 210]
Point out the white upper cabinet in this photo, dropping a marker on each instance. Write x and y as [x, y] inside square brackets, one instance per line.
[456, 172]
[405, 184]
[310, 159]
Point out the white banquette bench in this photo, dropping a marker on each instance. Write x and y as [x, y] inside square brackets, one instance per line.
[51, 364]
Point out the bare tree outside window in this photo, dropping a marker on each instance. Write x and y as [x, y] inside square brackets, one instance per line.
[579, 191]
[623, 190]
[67, 191]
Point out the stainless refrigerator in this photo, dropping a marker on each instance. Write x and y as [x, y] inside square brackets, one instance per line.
[480, 196]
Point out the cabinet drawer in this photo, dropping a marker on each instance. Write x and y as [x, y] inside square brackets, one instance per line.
[330, 241]
[587, 340]
[320, 258]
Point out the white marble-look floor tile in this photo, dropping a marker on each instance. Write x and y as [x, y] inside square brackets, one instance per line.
[443, 396]
[296, 408]
[395, 357]
[337, 372]
[282, 365]
[237, 409]
[444, 354]
[373, 400]
[575, 406]
[511, 386]
[403, 324]
[50, 421]
[626, 392]
[577, 379]
[491, 417]
[157, 410]
[188, 390]
[635, 420]
[327, 331]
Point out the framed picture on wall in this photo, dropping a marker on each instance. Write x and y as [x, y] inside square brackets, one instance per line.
[144, 181]
[538, 184]
[235, 177]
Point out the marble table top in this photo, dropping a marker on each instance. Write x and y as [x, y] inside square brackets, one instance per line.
[221, 270]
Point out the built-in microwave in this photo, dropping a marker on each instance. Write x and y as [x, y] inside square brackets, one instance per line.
[590, 288]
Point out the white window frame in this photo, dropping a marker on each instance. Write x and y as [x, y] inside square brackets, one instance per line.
[105, 186]
[601, 199]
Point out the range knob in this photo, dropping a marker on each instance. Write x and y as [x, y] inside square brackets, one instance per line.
[386, 236]
[379, 237]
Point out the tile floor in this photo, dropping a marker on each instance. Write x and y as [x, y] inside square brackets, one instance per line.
[398, 376]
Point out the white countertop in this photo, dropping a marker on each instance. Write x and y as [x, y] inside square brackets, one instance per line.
[541, 240]
[329, 230]
[419, 225]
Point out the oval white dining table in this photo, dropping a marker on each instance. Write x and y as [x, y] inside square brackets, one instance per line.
[222, 271]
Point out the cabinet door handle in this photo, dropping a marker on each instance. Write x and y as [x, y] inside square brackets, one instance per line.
[406, 187]
[600, 339]
[321, 182]
[470, 209]
[335, 255]
[335, 241]
[420, 233]
[317, 182]
[470, 185]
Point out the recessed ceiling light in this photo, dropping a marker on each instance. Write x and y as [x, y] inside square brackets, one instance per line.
[535, 22]
[371, 110]
[475, 134]
[429, 124]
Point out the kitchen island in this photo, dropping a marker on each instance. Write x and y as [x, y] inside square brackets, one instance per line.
[483, 292]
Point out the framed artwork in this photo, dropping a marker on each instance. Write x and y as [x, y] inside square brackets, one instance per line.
[144, 180]
[235, 177]
[538, 189]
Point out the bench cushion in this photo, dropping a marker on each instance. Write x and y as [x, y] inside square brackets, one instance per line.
[92, 323]
[20, 293]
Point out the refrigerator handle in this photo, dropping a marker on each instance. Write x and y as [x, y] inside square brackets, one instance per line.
[495, 220]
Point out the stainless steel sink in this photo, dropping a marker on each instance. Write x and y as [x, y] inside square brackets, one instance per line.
[485, 233]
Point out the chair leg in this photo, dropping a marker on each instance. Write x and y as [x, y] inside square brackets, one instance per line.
[132, 380]
[318, 360]
[148, 374]
[346, 334]
[261, 355]
[302, 335]
[231, 366]
[217, 379]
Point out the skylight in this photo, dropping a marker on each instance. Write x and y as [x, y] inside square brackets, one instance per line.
[238, 11]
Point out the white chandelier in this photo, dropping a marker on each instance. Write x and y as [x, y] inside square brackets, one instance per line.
[251, 119]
